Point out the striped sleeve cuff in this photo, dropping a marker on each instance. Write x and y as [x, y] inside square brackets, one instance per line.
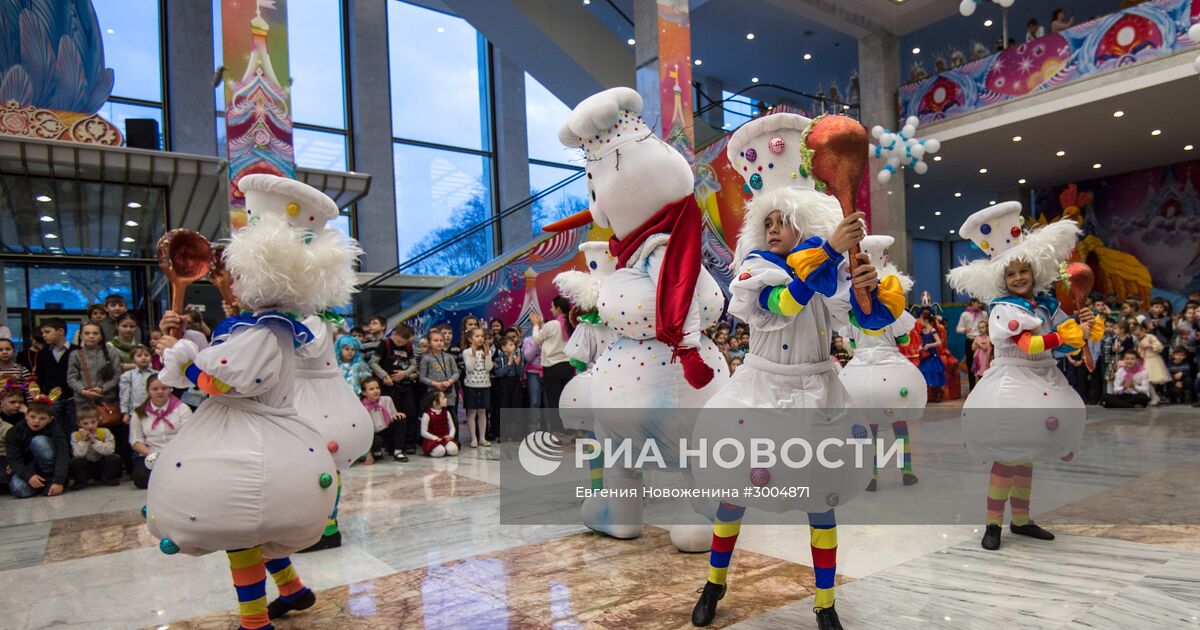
[785, 300]
[207, 383]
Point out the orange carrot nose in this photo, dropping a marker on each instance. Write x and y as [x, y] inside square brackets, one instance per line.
[579, 219]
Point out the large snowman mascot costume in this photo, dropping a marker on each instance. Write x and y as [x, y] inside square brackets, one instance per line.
[591, 337]
[248, 475]
[658, 300]
[793, 293]
[880, 379]
[1022, 410]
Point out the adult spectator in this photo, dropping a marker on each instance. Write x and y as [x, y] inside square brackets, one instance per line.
[1033, 30]
[1059, 21]
[968, 325]
[551, 336]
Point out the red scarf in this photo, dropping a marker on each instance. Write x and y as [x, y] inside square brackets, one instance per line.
[680, 268]
[160, 415]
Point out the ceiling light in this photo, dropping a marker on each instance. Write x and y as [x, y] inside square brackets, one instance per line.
[43, 198]
[586, 2]
[1096, 165]
[807, 56]
[937, 158]
[920, 227]
[987, 23]
[889, 192]
[110, 31]
[957, 194]
[916, 51]
[631, 41]
[937, 213]
[983, 171]
[441, 30]
[1118, 114]
[126, 251]
[951, 231]
[699, 62]
[128, 239]
[992, 202]
[47, 218]
[1188, 147]
[916, 185]
[1016, 138]
[1021, 181]
[1156, 132]
[754, 79]
[50, 235]
[1061, 153]
[133, 204]
[845, 107]
[131, 223]
[749, 35]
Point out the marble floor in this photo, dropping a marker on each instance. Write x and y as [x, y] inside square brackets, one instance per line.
[424, 548]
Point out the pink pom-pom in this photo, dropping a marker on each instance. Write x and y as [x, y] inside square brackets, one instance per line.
[760, 476]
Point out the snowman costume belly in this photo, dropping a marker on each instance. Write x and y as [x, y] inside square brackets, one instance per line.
[1022, 408]
[879, 376]
[247, 470]
[325, 399]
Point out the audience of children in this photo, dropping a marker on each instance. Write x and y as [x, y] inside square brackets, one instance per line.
[93, 451]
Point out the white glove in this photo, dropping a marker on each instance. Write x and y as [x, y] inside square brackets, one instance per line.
[174, 359]
[150, 459]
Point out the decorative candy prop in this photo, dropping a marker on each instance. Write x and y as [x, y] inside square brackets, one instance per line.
[902, 149]
[1080, 279]
[967, 7]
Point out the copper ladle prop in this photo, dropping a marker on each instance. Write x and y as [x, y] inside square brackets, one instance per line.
[220, 276]
[1080, 279]
[840, 146]
[184, 257]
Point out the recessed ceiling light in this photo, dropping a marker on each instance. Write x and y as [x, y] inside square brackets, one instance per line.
[586, 2]
[951, 231]
[957, 194]
[920, 227]
[1021, 181]
[699, 62]
[937, 213]
[992, 202]
[133, 204]
[43, 198]
[128, 239]
[987, 23]
[441, 29]
[983, 171]
[807, 56]
[110, 31]
[1016, 138]
[1060, 153]
[749, 35]
[631, 41]
[1118, 114]
[916, 185]
[937, 158]
[47, 218]
[1096, 165]
[1156, 132]
[889, 192]
[1188, 147]
[754, 79]
[131, 223]
[916, 51]
[50, 236]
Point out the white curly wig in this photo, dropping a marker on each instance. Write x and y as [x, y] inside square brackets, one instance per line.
[812, 213]
[582, 289]
[275, 265]
[1044, 249]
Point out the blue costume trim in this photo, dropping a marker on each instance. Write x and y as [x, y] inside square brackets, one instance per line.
[800, 291]
[779, 261]
[881, 317]
[301, 335]
[823, 279]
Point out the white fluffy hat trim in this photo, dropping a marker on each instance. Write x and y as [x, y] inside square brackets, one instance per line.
[812, 213]
[1044, 249]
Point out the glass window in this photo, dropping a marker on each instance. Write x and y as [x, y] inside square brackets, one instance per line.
[544, 114]
[315, 63]
[75, 288]
[561, 203]
[116, 113]
[439, 91]
[131, 46]
[18, 330]
[342, 223]
[438, 194]
[14, 286]
[221, 135]
[319, 149]
[738, 109]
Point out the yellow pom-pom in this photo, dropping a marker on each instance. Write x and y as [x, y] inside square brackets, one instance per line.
[293, 209]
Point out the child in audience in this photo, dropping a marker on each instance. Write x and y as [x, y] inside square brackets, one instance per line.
[477, 383]
[38, 452]
[1131, 385]
[154, 422]
[1180, 391]
[12, 405]
[383, 415]
[350, 360]
[50, 369]
[10, 370]
[394, 357]
[437, 427]
[509, 365]
[114, 309]
[438, 370]
[155, 360]
[93, 451]
[132, 386]
[1150, 349]
[981, 351]
[840, 352]
[125, 341]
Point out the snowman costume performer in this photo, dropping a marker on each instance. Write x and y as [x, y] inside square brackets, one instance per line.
[1022, 410]
[880, 379]
[248, 475]
[657, 301]
[792, 304]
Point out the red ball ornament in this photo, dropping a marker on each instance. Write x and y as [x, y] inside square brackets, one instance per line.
[1015, 231]
[332, 446]
[760, 476]
[744, 276]
[1013, 325]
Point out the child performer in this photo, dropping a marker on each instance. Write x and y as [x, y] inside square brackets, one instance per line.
[437, 428]
[879, 378]
[1022, 409]
[794, 289]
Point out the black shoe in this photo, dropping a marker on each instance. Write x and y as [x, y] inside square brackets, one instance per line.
[1032, 530]
[400, 456]
[706, 608]
[871, 486]
[111, 482]
[412, 450]
[991, 537]
[331, 541]
[910, 479]
[76, 487]
[281, 607]
[827, 619]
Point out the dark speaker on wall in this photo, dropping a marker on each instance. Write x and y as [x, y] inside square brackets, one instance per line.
[141, 133]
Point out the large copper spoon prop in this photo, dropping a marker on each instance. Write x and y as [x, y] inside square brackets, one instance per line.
[1080, 279]
[184, 257]
[220, 276]
[840, 146]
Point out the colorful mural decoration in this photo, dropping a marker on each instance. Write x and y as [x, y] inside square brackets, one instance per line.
[675, 75]
[27, 121]
[1141, 229]
[1149, 30]
[258, 115]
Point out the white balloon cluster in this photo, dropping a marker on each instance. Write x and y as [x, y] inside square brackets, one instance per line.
[967, 7]
[1194, 35]
[902, 149]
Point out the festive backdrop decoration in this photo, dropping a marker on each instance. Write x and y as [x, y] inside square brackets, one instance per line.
[902, 149]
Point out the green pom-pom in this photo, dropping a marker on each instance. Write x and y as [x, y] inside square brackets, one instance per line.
[326, 480]
[143, 511]
[904, 392]
[168, 546]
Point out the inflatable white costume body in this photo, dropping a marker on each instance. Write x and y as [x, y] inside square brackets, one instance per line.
[658, 300]
[591, 337]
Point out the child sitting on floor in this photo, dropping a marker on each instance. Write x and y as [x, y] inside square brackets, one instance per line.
[1131, 385]
[1179, 390]
[436, 427]
[93, 451]
[383, 415]
[38, 452]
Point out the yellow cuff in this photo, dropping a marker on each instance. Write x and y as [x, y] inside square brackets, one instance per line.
[1070, 333]
[1097, 330]
[805, 261]
[891, 293]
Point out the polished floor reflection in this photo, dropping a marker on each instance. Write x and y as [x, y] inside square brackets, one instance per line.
[424, 549]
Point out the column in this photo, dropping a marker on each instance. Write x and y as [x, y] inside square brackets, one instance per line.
[371, 131]
[645, 59]
[512, 150]
[192, 117]
[879, 74]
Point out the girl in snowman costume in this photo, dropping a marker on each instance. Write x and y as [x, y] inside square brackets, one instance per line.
[793, 288]
[1022, 409]
[657, 301]
[879, 377]
[248, 475]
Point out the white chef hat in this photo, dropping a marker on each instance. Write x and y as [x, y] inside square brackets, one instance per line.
[296, 202]
[768, 152]
[603, 122]
[997, 232]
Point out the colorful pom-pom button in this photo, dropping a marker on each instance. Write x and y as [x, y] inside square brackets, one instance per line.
[1013, 325]
[325, 480]
[592, 265]
[984, 245]
[746, 189]
[1052, 423]
[775, 145]
[904, 392]
[293, 209]
[756, 181]
[1015, 231]
[986, 228]
[744, 276]
[751, 155]
[143, 511]
[332, 446]
[833, 499]
[860, 432]
[760, 476]
[168, 546]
